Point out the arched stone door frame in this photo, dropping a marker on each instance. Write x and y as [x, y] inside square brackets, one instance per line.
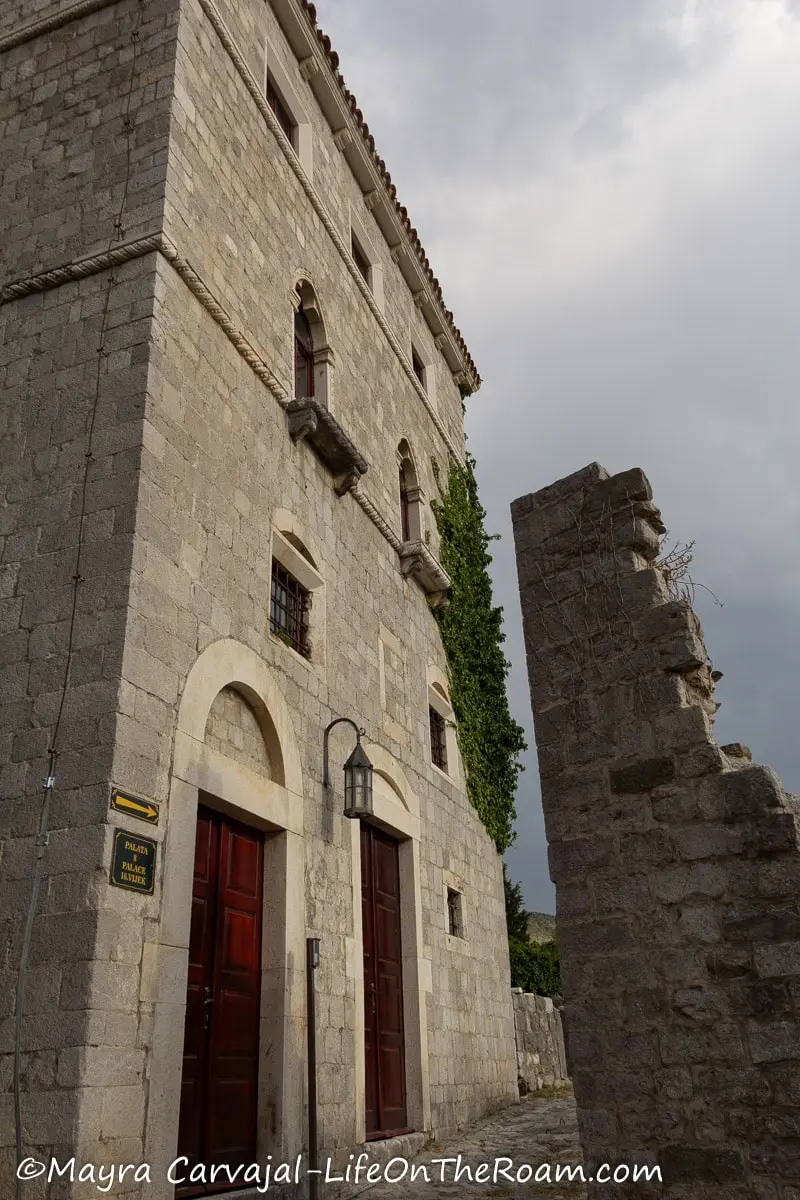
[276, 806]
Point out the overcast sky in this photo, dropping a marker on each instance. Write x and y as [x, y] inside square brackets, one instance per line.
[609, 194]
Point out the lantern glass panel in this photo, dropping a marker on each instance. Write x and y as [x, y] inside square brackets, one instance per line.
[358, 785]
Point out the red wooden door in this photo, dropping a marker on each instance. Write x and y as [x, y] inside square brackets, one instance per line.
[219, 1092]
[383, 984]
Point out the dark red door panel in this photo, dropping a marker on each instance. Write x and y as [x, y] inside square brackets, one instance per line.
[201, 954]
[383, 984]
[219, 1094]
[370, 985]
[233, 1051]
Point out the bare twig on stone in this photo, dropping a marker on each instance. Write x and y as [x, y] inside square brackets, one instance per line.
[674, 563]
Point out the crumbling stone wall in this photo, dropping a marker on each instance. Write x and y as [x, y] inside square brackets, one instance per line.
[541, 1060]
[675, 860]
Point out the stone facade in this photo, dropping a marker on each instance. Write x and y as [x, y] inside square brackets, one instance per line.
[541, 1060]
[675, 860]
[159, 226]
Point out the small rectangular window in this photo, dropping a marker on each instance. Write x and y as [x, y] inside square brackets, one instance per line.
[288, 609]
[418, 365]
[281, 112]
[455, 924]
[438, 740]
[360, 259]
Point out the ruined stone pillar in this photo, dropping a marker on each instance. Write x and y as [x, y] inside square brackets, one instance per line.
[675, 861]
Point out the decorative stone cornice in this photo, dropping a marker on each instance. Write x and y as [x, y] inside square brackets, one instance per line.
[308, 67]
[259, 99]
[417, 561]
[380, 187]
[298, 19]
[311, 421]
[158, 242]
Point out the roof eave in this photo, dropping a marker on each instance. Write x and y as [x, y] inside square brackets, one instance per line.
[298, 21]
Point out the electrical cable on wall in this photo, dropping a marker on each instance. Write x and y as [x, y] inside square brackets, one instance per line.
[42, 836]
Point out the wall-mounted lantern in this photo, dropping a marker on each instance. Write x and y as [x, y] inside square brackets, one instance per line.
[357, 774]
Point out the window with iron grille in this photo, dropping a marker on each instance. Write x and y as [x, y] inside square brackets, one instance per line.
[438, 740]
[455, 925]
[360, 258]
[288, 609]
[281, 112]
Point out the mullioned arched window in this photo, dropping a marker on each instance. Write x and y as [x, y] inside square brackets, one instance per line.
[410, 495]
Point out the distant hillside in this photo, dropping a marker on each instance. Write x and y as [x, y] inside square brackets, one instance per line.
[541, 927]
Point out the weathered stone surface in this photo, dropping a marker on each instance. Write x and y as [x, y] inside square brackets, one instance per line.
[697, 987]
[642, 776]
[541, 1059]
[144, 395]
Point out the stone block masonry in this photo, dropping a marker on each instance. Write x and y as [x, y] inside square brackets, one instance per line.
[541, 1060]
[675, 860]
[156, 225]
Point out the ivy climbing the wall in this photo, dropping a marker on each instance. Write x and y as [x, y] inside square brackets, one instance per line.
[489, 738]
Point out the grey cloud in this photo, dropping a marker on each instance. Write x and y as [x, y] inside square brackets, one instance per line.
[609, 199]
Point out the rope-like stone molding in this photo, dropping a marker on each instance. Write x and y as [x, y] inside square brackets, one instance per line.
[47, 24]
[85, 8]
[80, 268]
[260, 100]
[158, 242]
[369, 508]
[219, 314]
[95, 263]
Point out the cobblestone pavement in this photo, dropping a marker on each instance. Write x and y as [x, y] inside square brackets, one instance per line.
[538, 1130]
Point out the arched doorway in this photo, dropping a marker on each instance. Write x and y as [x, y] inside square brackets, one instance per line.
[222, 1084]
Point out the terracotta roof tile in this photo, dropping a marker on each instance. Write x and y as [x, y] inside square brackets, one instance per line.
[333, 61]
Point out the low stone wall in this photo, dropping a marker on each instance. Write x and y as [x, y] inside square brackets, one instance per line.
[541, 1061]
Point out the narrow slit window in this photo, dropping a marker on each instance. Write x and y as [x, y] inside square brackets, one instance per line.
[285, 120]
[438, 740]
[418, 365]
[360, 259]
[455, 924]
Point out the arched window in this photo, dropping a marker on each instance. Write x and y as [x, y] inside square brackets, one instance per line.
[410, 495]
[313, 357]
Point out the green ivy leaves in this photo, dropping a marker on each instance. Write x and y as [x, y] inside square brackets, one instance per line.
[471, 627]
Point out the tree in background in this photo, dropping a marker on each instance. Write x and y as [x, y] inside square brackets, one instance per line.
[535, 966]
[516, 914]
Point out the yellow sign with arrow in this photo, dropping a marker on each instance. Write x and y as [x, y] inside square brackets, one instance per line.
[133, 806]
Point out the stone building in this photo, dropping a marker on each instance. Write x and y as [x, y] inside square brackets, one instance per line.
[226, 368]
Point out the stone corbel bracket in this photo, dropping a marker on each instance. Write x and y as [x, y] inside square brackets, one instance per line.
[417, 562]
[310, 421]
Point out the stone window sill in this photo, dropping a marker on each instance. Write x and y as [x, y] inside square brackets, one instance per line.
[310, 421]
[418, 563]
